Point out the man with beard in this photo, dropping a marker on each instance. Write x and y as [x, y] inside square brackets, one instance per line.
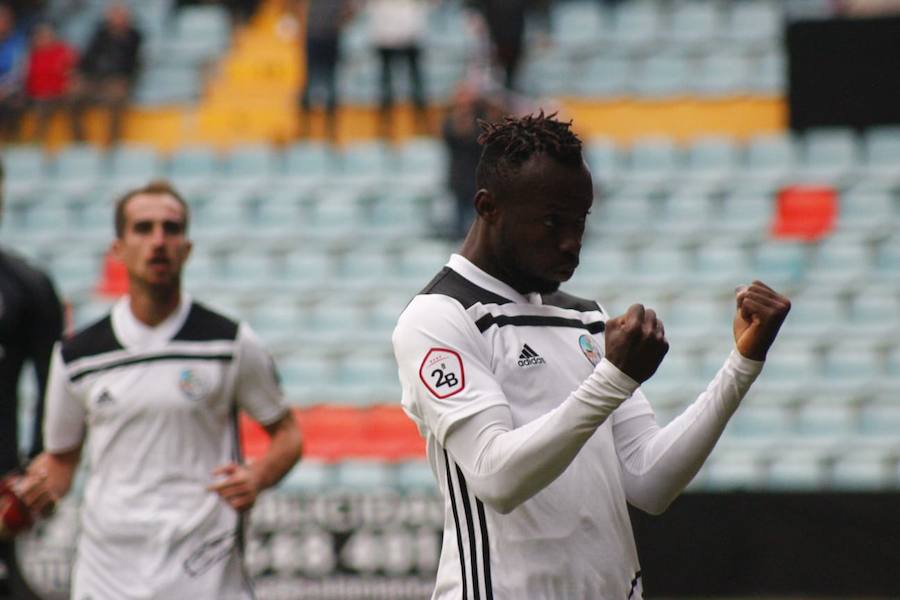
[158, 384]
[529, 398]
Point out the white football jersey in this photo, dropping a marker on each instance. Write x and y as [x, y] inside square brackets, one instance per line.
[468, 342]
[157, 408]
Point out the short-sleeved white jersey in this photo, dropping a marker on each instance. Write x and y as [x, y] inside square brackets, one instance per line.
[468, 342]
[157, 409]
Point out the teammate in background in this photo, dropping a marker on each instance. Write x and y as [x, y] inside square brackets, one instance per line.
[158, 383]
[529, 399]
[31, 321]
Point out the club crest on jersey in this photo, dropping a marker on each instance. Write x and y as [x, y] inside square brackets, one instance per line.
[589, 347]
[442, 372]
[191, 384]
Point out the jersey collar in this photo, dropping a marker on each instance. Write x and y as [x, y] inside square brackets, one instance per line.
[467, 269]
[133, 334]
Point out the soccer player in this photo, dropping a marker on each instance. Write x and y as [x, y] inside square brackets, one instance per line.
[158, 384]
[31, 321]
[529, 398]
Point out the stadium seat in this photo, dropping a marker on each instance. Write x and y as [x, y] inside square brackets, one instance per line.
[814, 315]
[770, 159]
[864, 470]
[415, 477]
[602, 157]
[635, 27]
[868, 212]
[882, 154]
[663, 75]
[363, 476]
[720, 266]
[693, 26]
[755, 24]
[602, 77]
[711, 160]
[721, 73]
[780, 263]
[30, 165]
[132, 165]
[193, 166]
[840, 264]
[798, 469]
[830, 156]
[652, 160]
[78, 167]
[251, 164]
[309, 477]
[306, 378]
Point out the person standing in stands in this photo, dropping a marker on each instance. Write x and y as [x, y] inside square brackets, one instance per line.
[529, 399]
[107, 71]
[398, 29]
[13, 53]
[49, 75]
[460, 133]
[158, 385]
[31, 322]
[322, 21]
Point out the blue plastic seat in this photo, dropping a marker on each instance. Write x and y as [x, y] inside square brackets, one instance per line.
[830, 155]
[780, 263]
[363, 476]
[721, 73]
[771, 158]
[754, 24]
[693, 25]
[663, 75]
[635, 26]
[603, 77]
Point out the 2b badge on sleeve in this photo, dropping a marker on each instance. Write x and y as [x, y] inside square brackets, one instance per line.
[442, 372]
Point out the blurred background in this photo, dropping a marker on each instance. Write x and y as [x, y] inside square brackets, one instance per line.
[327, 153]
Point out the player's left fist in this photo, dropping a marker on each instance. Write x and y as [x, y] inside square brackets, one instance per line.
[759, 315]
[238, 485]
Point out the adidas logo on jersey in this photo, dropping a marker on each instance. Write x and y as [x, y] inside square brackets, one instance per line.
[105, 398]
[530, 358]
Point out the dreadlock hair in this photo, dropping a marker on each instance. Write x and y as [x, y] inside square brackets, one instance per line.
[509, 144]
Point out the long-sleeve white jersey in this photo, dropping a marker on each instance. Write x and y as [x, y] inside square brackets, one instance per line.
[537, 442]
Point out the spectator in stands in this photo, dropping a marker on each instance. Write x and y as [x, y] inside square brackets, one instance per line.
[398, 28]
[505, 22]
[49, 75]
[322, 20]
[460, 132]
[13, 52]
[108, 70]
[31, 321]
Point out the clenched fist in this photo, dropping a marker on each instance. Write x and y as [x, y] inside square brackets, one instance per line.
[760, 313]
[636, 342]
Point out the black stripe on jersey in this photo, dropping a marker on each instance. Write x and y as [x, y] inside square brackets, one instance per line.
[485, 550]
[459, 542]
[205, 325]
[561, 299]
[528, 351]
[127, 362]
[488, 321]
[98, 338]
[473, 547]
[634, 582]
[450, 283]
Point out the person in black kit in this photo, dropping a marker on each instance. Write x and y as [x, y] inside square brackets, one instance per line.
[108, 69]
[31, 321]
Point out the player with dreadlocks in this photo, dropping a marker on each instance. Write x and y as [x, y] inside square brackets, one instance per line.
[529, 398]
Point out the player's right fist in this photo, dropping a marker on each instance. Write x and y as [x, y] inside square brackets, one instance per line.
[14, 514]
[636, 342]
